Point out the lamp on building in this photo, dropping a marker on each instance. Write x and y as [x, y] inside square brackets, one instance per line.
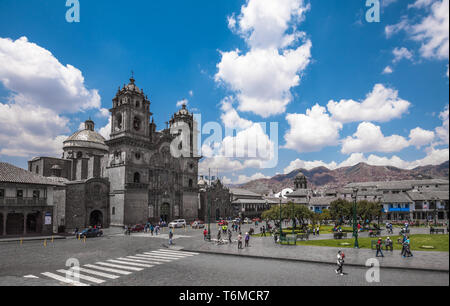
[355, 227]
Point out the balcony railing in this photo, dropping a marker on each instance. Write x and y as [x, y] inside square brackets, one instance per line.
[23, 201]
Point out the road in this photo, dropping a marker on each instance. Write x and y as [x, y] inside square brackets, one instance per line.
[138, 260]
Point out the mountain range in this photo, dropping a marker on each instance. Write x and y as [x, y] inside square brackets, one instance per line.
[337, 178]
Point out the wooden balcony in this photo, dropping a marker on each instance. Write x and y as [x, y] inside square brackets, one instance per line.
[23, 201]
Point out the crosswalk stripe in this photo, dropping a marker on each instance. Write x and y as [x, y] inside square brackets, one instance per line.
[118, 266]
[81, 276]
[166, 257]
[108, 269]
[139, 259]
[63, 279]
[129, 263]
[153, 257]
[177, 252]
[167, 254]
[101, 274]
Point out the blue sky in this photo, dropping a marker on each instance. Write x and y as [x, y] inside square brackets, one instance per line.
[294, 58]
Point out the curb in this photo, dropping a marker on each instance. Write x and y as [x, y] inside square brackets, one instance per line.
[31, 239]
[315, 261]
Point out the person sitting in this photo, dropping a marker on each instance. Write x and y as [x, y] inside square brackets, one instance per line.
[389, 244]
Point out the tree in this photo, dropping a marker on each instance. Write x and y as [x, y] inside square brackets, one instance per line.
[369, 210]
[340, 210]
[325, 215]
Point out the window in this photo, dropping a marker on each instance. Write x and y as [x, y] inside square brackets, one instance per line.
[37, 169]
[137, 178]
[137, 156]
[36, 194]
[119, 121]
[113, 211]
[137, 123]
[190, 183]
[20, 193]
[79, 154]
[2, 193]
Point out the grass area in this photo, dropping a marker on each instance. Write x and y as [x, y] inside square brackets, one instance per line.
[439, 242]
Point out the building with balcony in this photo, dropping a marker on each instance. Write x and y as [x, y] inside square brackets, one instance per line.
[26, 202]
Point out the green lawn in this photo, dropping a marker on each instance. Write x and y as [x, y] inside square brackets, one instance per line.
[438, 241]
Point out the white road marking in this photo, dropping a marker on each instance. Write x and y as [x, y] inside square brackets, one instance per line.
[109, 269]
[30, 276]
[166, 257]
[101, 274]
[63, 279]
[119, 266]
[129, 263]
[169, 255]
[81, 276]
[140, 260]
[177, 252]
[154, 257]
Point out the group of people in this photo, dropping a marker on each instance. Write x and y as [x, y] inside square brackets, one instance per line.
[246, 239]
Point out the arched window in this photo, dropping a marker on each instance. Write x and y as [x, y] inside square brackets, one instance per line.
[137, 177]
[113, 211]
[137, 123]
[190, 183]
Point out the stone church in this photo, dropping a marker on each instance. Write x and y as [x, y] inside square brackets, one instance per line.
[135, 176]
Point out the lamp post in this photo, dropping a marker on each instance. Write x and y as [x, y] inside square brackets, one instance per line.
[208, 236]
[280, 216]
[355, 227]
[294, 223]
[435, 211]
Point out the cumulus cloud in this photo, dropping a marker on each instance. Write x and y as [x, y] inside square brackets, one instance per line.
[308, 165]
[381, 105]
[401, 53]
[230, 116]
[388, 70]
[35, 77]
[419, 137]
[262, 78]
[311, 131]
[41, 89]
[182, 102]
[442, 132]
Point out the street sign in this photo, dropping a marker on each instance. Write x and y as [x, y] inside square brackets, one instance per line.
[48, 219]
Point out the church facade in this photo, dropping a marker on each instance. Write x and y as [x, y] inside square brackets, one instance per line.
[139, 174]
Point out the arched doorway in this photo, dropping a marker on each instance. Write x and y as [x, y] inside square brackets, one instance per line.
[165, 212]
[14, 224]
[96, 218]
[32, 223]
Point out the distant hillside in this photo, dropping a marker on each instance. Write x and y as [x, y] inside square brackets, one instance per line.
[323, 177]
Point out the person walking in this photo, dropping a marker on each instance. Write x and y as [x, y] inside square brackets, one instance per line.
[340, 263]
[240, 241]
[407, 248]
[318, 230]
[219, 236]
[229, 236]
[152, 229]
[379, 246]
[264, 231]
[205, 234]
[170, 237]
[247, 239]
[389, 244]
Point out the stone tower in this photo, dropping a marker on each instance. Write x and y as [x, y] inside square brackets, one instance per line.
[300, 181]
[129, 153]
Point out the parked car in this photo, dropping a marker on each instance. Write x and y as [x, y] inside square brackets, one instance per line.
[177, 223]
[137, 228]
[247, 221]
[90, 232]
[256, 219]
[223, 222]
[198, 224]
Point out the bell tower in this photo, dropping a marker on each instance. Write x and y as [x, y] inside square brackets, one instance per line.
[130, 112]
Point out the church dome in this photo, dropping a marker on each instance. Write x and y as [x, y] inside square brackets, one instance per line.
[131, 86]
[87, 138]
[300, 175]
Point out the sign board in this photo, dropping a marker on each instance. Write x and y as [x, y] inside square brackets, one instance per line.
[48, 219]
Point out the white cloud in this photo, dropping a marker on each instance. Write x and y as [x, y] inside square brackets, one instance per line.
[106, 130]
[386, 3]
[35, 77]
[262, 78]
[369, 138]
[265, 23]
[308, 165]
[381, 105]
[431, 32]
[30, 131]
[242, 179]
[191, 93]
[104, 112]
[401, 53]
[230, 116]
[182, 102]
[388, 70]
[419, 137]
[443, 131]
[311, 131]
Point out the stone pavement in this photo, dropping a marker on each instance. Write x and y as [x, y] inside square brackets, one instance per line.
[266, 248]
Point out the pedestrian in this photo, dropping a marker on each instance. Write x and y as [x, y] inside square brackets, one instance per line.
[389, 244]
[205, 234]
[219, 236]
[247, 239]
[407, 248]
[170, 237]
[314, 231]
[229, 236]
[340, 263]
[152, 228]
[240, 241]
[379, 246]
[264, 231]
[318, 230]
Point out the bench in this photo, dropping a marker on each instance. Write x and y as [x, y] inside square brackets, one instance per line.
[437, 230]
[289, 239]
[303, 236]
[339, 235]
[375, 233]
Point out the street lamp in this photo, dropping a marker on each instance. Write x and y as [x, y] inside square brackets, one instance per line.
[208, 236]
[280, 216]
[355, 227]
[435, 210]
